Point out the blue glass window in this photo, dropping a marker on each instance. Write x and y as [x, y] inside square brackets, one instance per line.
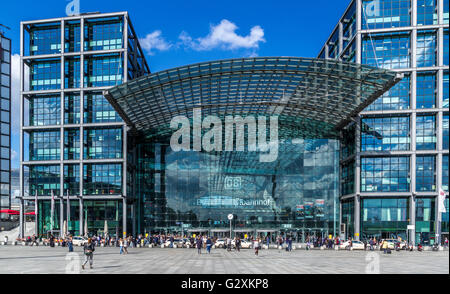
[427, 12]
[389, 51]
[348, 178]
[445, 172]
[445, 90]
[72, 36]
[426, 132]
[71, 144]
[45, 40]
[426, 49]
[103, 143]
[426, 90]
[44, 180]
[103, 34]
[98, 109]
[396, 98]
[379, 14]
[446, 53]
[72, 179]
[45, 145]
[45, 75]
[385, 174]
[72, 112]
[103, 70]
[102, 179]
[445, 20]
[385, 134]
[384, 210]
[425, 173]
[72, 75]
[349, 25]
[445, 136]
[45, 110]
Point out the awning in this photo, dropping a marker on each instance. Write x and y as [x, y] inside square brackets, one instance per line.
[312, 97]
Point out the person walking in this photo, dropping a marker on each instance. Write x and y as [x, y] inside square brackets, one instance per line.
[208, 245]
[70, 243]
[238, 245]
[256, 246]
[228, 244]
[89, 249]
[121, 246]
[384, 245]
[199, 245]
[125, 246]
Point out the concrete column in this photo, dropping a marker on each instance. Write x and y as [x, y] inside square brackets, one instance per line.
[124, 217]
[357, 234]
[21, 220]
[412, 218]
[81, 217]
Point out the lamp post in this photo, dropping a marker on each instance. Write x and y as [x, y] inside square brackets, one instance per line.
[230, 218]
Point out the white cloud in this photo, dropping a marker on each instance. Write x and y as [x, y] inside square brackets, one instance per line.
[14, 155]
[154, 41]
[224, 36]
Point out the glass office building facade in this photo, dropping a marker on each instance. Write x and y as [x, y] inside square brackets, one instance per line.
[5, 124]
[73, 143]
[400, 142]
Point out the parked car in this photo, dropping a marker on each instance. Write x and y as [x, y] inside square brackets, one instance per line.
[220, 243]
[356, 245]
[79, 241]
[244, 244]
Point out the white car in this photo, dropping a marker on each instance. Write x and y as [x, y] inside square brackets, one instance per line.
[356, 245]
[220, 243]
[79, 241]
[244, 244]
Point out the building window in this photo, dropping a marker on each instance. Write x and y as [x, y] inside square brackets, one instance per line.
[385, 174]
[72, 179]
[71, 144]
[445, 90]
[72, 36]
[103, 143]
[426, 90]
[397, 98]
[445, 136]
[445, 19]
[385, 133]
[425, 210]
[392, 50]
[72, 75]
[445, 52]
[427, 12]
[102, 179]
[349, 25]
[445, 172]
[425, 173]
[426, 49]
[98, 109]
[426, 132]
[45, 146]
[45, 40]
[348, 214]
[103, 70]
[45, 75]
[44, 180]
[72, 112]
[103, 34]
[45, 110]
[348, 178]
[386, 14]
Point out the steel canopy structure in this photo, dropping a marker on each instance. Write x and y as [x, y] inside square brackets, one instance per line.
[312, 97]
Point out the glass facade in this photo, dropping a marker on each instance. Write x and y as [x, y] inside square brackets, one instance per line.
[296, 192]
[426, 132]
[389, 50]
[385, 174]
[397, 98]
[425, 174]
[386, 134]
[5, 124]
[386, 14]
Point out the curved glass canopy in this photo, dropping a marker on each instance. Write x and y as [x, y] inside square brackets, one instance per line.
[312, 97]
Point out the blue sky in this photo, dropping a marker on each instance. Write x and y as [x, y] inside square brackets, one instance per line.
[176, 32]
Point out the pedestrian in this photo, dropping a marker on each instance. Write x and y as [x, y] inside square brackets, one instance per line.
[256, 246]
[384, 245]
[446, 242]
[121, 246]
[89, 249]
[125, 245]
[228, 244]
[199, 245]
[70, 244]
[208, 245]
[238, 244]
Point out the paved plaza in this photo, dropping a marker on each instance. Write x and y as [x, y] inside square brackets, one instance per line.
[43, 260]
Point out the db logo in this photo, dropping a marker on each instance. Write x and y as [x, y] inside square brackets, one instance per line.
[233, 183]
